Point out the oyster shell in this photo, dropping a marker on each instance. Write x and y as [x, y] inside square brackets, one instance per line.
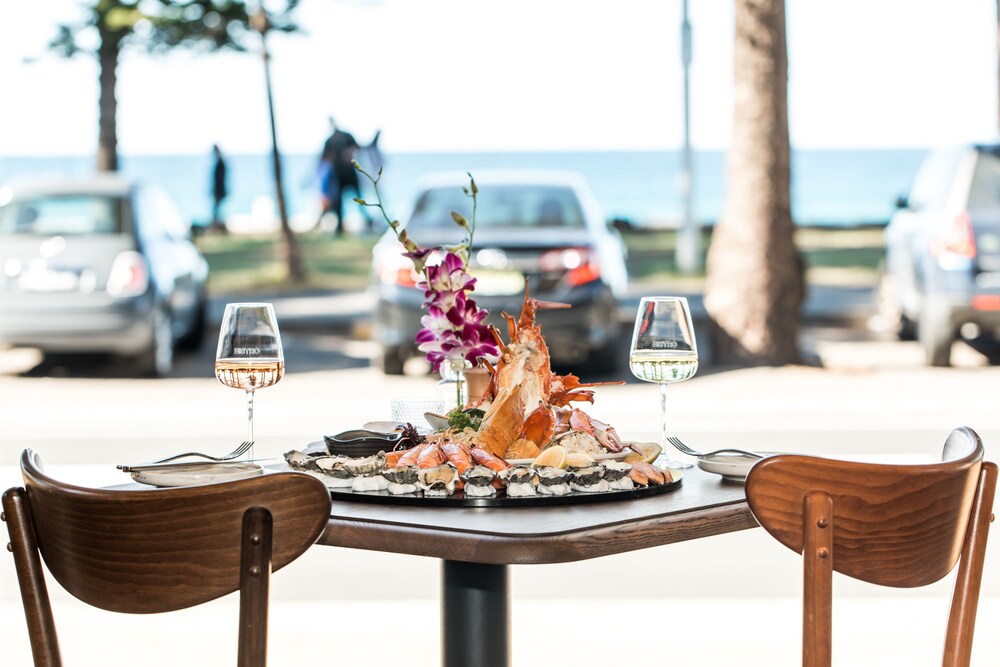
[439, 480]
[518, 475]
[616, 474]
[589, 480]
[401, 480]
[553, 481]
[298, 460]
[615, 470]
[367, 465]
[479, 481]
[588, 475]
[550, 475]
[401, 475]
[333, 466]
[520, 481]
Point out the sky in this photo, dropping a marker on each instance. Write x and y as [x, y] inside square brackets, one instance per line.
[518, 75]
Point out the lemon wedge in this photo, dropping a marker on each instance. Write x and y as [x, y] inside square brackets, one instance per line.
[650, 450]
[579, 460]
[552, 457]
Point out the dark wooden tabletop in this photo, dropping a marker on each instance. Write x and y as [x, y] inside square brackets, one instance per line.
[704, 505]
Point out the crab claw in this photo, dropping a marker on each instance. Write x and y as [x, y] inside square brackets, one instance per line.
[605, 434]
[539, 426]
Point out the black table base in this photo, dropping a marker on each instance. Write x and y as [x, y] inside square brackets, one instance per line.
[475, 614]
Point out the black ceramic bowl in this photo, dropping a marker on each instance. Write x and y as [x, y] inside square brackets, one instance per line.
[360, 442]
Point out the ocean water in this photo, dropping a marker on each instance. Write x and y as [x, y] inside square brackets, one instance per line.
[829, 187]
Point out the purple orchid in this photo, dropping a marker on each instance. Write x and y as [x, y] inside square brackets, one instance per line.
[454, 328]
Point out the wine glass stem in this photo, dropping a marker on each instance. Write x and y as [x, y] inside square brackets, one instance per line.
[250, 420]
[663, 414]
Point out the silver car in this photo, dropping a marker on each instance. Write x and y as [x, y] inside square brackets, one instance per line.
[546, 228]
[99, 265]
[942, 270]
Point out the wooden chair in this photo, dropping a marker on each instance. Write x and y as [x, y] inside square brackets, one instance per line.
[891, 525]
[157, 550]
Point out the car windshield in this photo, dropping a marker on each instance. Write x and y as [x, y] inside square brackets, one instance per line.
[63, 215]
[985, 191]
[500, 206]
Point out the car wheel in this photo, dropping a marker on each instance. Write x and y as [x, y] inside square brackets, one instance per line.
[888, 308]
[988, 346]
[158, 359]
[193, 339]
[392, 360]
[936, 335]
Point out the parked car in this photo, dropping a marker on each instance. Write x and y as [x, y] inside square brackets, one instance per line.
[99, 265]
[546, 228]
[942, 269]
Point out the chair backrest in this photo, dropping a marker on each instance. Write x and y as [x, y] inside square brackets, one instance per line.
[891, 525]
[156, 550]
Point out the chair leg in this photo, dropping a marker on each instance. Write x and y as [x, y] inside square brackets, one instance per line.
[255, 574]
[31, 579]
[817, 584]
[965, 599]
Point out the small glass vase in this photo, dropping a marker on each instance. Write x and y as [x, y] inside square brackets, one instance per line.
[452, 385]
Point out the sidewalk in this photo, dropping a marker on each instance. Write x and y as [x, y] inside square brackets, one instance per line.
[868, 632]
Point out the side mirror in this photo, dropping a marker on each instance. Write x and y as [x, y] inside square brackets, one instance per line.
[622, 225]
[902, 202]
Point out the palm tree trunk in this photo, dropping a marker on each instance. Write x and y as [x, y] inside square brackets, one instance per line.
[289, 249]
[107, 143]
[755, 277]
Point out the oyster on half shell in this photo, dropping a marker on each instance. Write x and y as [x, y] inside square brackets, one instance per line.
[479, 481]
[365, 466]
[438, 481]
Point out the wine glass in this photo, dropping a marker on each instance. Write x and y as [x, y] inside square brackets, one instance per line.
[663, 350]
[249, 355]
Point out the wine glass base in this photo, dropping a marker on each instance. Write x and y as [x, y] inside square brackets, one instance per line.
[666, 462]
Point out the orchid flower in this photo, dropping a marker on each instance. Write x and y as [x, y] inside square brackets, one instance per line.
[453, 328]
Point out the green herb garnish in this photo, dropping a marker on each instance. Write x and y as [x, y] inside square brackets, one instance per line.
[460, 419]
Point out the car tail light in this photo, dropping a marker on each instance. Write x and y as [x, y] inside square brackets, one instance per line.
[129, 275]
[395, 269]
[579, 264]
[986, 302]
[958, 239]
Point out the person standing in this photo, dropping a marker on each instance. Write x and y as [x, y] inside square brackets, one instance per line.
[335, 164]
[219, 187]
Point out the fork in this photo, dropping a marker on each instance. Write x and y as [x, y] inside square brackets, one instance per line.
[680, 446]
[236, 453]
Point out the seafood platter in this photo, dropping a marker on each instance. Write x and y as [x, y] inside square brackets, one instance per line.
[522, 443]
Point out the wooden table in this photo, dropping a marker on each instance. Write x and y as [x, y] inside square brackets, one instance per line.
[477, 546]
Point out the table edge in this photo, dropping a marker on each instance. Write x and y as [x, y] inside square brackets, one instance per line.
[574, 545]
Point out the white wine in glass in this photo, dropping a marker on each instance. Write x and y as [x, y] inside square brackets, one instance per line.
[249, 356]
[663, 351]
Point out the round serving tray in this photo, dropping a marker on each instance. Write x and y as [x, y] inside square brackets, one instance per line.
[501, 499]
